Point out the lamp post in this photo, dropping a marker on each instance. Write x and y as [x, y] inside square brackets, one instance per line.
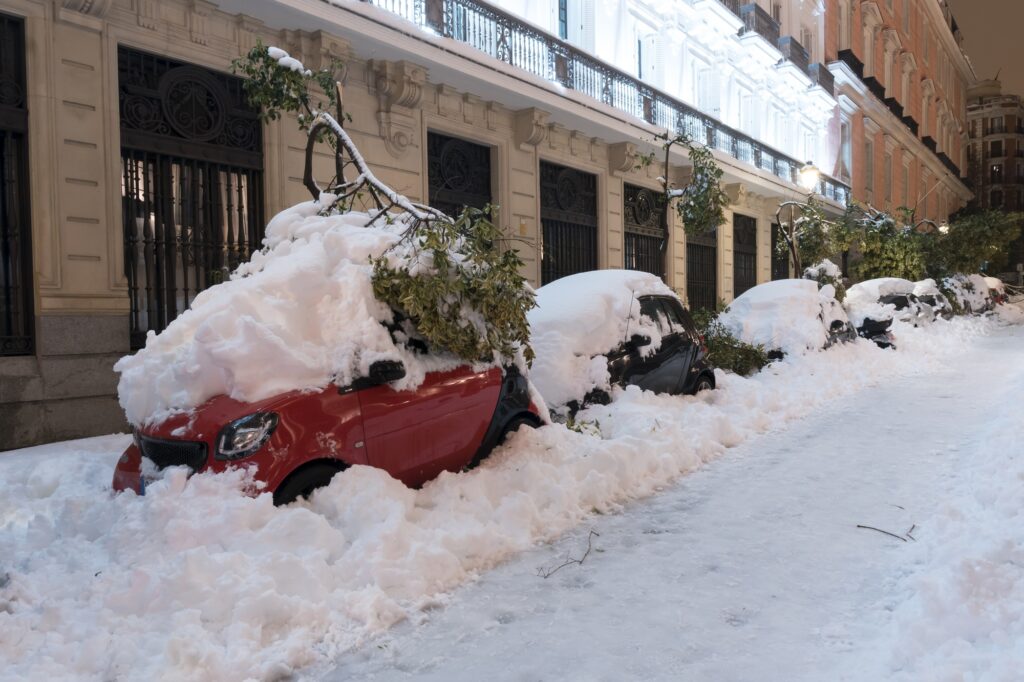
[808, 178]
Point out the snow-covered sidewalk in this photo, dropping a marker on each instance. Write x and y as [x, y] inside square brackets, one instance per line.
[755, 569]
[199, 581]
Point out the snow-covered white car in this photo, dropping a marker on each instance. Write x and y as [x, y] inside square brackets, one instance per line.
[886, 298]
[928, 294]
[594, 330]
[789, 316]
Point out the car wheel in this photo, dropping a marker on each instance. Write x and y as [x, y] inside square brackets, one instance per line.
[704, 383]
[303, 482]
[510, 428]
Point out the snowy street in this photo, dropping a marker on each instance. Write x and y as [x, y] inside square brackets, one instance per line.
[726, 544]
[754, 567]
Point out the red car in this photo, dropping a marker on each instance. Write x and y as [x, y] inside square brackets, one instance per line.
[297, 441]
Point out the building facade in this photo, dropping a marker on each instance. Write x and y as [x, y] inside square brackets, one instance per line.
[902, 81]
[135, 174]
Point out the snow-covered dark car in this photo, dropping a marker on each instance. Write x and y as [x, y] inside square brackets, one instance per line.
[595, 330]
[888, 298]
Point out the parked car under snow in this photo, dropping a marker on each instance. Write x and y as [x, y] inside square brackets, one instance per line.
[887, 298]
[928, 294]
[599, 329]
[789, 316]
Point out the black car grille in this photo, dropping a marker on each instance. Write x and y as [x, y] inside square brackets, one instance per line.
[170, 453]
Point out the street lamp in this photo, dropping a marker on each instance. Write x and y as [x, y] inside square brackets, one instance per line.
[944, 228]
[809, 176]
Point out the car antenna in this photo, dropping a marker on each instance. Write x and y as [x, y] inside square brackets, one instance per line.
[629, 315]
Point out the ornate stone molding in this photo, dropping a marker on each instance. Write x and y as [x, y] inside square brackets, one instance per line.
[622, 157]
[199, 13]
[148, 13]
[399, 89]
[92, 8]
[531, 127]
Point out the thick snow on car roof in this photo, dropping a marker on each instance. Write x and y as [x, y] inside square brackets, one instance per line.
[298, 315]
[785, 314]
[579, 319]
[926, 287]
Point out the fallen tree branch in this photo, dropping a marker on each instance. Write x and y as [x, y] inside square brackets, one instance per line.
[569, 561]
[898, 537]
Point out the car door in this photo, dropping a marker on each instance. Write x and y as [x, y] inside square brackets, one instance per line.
[415, 435]
[662, 370]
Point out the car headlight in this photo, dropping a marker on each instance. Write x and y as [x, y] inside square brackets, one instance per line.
[245, 436]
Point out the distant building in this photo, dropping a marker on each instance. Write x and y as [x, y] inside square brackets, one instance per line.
[995, 156]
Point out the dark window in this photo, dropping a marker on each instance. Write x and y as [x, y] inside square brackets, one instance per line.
[563, 19]
[744, 253]
[568, 216]
[17, 328]
[458, 174]
[997, 199]
[702, 270]
[191, 186]
[997, 172]
[996, 149]
[644, 234]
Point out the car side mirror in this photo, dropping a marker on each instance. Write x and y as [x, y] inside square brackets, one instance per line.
[381, 372]
[639, 340]
[386, 371]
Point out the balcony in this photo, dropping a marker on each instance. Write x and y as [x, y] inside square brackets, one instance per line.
[876, 87]
[910, 123]
[511, 40]
[948, 163]
[930, 143]
[894, 106]
[821, 76]
[756, 20]
[732, 5]
[850, 59]
[793, 51]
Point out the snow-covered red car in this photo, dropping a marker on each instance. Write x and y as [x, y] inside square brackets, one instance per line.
[595, 330]
[296, 441]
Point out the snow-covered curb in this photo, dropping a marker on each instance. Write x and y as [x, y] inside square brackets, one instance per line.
[199, 581]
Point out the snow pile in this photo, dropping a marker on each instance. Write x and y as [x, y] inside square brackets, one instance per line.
[288, 62]
[304, 306]
[962, 609]
[824, 269]
[787, 314]
[926, 287]
[578, 320]
[199, 581]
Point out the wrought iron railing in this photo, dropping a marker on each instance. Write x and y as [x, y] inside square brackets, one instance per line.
[792, 50]
[519, 44]
[756, 20]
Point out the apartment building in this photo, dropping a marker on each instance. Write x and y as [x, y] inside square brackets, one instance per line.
[135, 174]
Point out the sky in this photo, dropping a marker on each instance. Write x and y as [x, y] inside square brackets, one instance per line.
[992, 39]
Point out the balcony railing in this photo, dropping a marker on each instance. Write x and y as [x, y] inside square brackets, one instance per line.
[732, 5]
[792, 50]
[758, 21]
[821, 76]
[514, 42]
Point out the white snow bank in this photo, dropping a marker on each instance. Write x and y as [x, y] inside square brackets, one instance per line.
[303, 306]
[578, 320]
[199, 581]
[790, 315]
